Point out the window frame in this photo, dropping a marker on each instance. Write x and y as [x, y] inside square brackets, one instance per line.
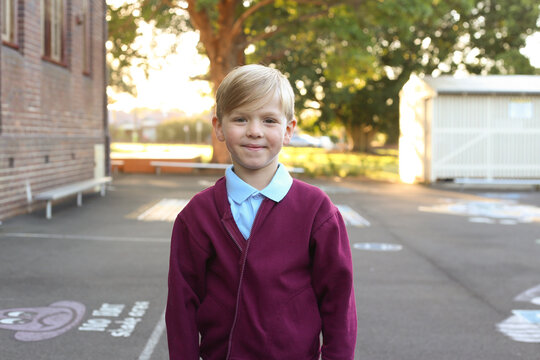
[86, 37]
[9, 22]
[54, 28]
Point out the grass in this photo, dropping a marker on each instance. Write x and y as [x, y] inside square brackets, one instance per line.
[316, 162]
[320, 162]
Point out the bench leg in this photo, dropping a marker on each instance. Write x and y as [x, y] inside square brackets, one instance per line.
[48, 211]
[158, 170]
[79, 199]
[102, 190]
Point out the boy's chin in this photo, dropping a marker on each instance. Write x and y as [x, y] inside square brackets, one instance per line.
[254, 167]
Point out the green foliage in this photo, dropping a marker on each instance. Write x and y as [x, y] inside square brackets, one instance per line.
[117, 134]
[123, 24]
[391, 41]
[319, 162]
[174, 131]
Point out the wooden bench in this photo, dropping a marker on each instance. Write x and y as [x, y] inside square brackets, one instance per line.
[159, 164]
[67, 190]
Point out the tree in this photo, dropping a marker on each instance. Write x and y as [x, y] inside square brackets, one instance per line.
[228, 27]
[346, 58]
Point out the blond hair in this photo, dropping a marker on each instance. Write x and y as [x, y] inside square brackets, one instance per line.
[253, 85]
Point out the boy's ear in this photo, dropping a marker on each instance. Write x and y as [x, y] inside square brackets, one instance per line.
[218, 128]
[289, 131]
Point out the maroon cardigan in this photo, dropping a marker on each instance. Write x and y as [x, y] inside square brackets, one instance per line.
[268, 297]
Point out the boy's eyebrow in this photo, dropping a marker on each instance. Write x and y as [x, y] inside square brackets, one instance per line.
[247, 113]
[276, 115]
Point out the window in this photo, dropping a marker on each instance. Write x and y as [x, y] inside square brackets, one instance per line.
[86, 37]
[9, 21]
[53, 29]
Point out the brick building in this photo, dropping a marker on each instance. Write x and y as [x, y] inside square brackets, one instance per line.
[53, 119]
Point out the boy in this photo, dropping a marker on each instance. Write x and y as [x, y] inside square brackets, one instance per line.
[260, 262]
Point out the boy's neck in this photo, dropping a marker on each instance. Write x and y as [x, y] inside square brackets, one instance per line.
[259, 178]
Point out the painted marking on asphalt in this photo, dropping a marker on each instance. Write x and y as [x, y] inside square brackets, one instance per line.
[41, 323]
[532, 316]
[154, 339]
[519, 329]
[351, 217]
[105, 319]
[206, 183]
[481, 220]
[377, 247]
[329, 189]
[83, 237]
[504, 212]
[524, 325]
[531, 295]
[504, 196]
[164, 210]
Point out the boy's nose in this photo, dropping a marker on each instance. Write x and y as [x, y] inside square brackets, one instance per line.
[254, 129]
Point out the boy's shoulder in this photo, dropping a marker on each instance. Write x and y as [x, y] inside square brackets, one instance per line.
[304, 190]
[310, 196]
[314, 203]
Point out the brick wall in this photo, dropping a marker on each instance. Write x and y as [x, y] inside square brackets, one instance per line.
[52, 115]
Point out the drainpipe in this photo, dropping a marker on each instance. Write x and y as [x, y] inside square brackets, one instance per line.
[105, 100]
[1, 47]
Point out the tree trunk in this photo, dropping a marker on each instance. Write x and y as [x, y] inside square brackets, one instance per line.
[220, 66]
[224, 47]
[359, 137]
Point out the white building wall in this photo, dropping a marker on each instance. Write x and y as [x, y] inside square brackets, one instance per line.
[485, 136]
[412, 139]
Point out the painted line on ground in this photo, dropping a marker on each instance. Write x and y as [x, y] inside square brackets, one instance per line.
[489, 211]
[83, 237]
[154, 339]
[165, 210]
[377, 247]
[351, 217]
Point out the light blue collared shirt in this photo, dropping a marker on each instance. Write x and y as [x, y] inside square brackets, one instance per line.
[245, 200]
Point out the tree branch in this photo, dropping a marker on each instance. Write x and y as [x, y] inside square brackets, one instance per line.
[237, 26]
[280, 28]
[201, 22]
[274, 56]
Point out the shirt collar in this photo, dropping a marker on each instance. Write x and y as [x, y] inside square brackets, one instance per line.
[240, 191]
[279, 186]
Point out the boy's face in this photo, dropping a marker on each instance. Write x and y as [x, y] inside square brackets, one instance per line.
[254, 137]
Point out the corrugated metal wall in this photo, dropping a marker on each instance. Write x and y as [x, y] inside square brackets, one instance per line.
[485, 136]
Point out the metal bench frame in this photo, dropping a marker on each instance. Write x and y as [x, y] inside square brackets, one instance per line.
[67, 190]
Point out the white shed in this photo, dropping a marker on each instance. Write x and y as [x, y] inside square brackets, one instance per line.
[472, 129]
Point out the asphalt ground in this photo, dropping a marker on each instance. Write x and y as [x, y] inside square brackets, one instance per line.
[440, 273]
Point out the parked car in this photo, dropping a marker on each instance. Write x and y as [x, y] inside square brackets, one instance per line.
[305, 140]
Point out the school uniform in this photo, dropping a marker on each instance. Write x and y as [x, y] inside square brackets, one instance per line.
[262, 290]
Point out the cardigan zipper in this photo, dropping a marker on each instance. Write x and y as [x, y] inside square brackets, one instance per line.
[244, 260]
[233, 238]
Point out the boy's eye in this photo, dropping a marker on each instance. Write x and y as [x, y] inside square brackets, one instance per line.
[270, 121]
[240, 120]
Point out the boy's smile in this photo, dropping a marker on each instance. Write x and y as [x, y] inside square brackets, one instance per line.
[254, 137]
